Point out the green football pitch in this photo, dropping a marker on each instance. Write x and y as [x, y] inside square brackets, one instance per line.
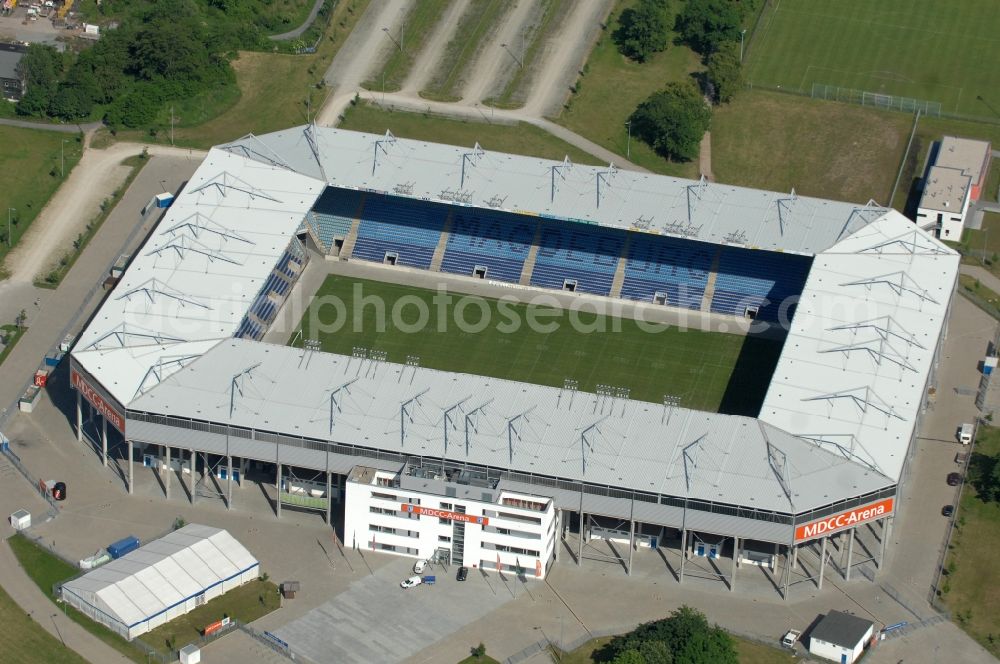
[540, 344]
[944, 51]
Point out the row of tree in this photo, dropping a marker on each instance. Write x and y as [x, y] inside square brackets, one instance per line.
[685, 637]
[673, 120]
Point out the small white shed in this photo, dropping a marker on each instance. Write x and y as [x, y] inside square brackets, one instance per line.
[20, 520]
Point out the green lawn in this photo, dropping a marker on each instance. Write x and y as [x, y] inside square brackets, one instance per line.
[926, 49]
[479, 20]
[485, 659]
[520, 139]
[418, 25]
[973, 586]
[273, 91]
[775, 141]
[247, 603]
[696, 366]
[613, 86]
[23, 641]
[13, 334]
[991, 190]
[32, 169]
[750, 652]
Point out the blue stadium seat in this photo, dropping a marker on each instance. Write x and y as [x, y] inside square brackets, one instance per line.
[673, 267]
[408, 228]
[757, 278]
[334, 212]
[498, 241]
[582, 253]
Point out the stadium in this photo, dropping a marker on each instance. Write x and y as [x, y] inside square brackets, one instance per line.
[485, 471]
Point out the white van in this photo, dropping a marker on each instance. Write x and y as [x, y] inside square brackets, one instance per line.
[965, 434]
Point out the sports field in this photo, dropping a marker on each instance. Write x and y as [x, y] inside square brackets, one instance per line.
[538, 344]
[930, 50]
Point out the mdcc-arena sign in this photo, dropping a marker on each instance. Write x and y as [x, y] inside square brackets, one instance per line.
[843, 520]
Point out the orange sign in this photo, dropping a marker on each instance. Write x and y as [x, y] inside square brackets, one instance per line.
[444, 514]
[114, 418]
[842, 520]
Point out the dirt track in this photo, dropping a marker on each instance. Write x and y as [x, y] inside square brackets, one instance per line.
[76, 202]
[423, 66]
[487, 72]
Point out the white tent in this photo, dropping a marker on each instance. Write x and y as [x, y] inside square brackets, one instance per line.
[162, 580]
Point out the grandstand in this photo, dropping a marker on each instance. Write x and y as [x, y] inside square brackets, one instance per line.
[829, 448]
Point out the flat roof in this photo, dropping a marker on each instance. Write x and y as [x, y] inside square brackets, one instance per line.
[519, 426]
[8, 63]
[945, 190]
[842, 629]
[964, 154]
[474, 176]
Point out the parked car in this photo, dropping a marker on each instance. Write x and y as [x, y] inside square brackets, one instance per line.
[463, 573]
[411, 582]
[954, 479]
[418, 567]
[947, 510]
[790, 638]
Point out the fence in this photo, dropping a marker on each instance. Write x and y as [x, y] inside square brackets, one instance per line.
[15, 461]
[876, 99]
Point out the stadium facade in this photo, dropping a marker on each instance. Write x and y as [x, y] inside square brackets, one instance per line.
[491, 472]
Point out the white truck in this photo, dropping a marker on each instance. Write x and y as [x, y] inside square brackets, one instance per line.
[965, 433]
[790, 638]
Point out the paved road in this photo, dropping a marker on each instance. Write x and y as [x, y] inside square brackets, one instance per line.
[297, 32]
[41, 609]
[47, 126]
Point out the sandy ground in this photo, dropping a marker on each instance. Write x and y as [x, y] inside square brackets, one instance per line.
[494, 62]
[78, 200]
[423, 66]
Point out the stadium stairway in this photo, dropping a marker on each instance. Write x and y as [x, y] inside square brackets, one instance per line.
[619, 279]
[352, 238]
[442, 245]
[713, 274]
[529, 262]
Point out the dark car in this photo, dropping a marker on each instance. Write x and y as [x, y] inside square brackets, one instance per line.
[954, 479]
[463, 573]
[948, 510]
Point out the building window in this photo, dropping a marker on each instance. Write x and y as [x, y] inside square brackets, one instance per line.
[444, 538]
[446, 506]
[384, 496]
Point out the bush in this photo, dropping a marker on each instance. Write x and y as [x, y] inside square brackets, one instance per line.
[685, 637]
[643, 30]
[725, 72]
[673, 121]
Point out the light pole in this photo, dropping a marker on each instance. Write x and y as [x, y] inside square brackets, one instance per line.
[9, 237]
[742, 32]
[399, 44]
[628, 143]
[520, 64]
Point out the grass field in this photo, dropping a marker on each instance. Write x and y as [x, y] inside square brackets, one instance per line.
[696, 366]
[521, 139]
[247, 603]
[23, 641]
[418, 25]
[775, 141]
[31, 174]
[613, 86]
[925, 49]
[973, 584]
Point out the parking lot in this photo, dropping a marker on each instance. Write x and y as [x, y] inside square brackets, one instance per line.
[17, 27]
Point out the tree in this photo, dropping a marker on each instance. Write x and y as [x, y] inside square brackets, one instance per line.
[40, 68]
[685, 637]
[629, 657]
[673, 121]
[725, 72]
[705, 24]
[643, 30]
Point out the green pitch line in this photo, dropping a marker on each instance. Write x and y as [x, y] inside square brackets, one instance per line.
[497, 340]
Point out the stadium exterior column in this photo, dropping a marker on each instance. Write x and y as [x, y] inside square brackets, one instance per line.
[329, 497]
[850, 552]
[243, 471]
[583, 526]
[795, 557]
[131, 477]
[684, 553]
[558, 535]
[229, 482]
[166, 479]
[631, 544]
[822, 562]
[736, 559]
[79, 417]
[884, 537]
[277, 493]
[194, 464]
[788, 572]
[104, 441]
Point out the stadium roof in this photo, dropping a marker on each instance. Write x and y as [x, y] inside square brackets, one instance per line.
[163, 573]
[516, 426]
[855, 367]
[710, 212]
[201, 268]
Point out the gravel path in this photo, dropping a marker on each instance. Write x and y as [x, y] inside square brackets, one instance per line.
[487, 72]
[297, 32]
[47, 126]
[423, 66]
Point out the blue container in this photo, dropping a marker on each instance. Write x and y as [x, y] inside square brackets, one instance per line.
[123, 546]
[987, 369]
[429, 580]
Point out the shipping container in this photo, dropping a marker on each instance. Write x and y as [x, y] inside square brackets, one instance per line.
[123, 546]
